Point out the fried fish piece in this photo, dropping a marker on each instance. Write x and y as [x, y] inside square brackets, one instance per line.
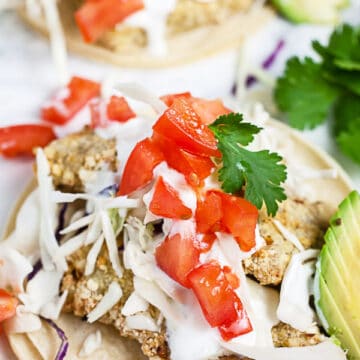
[306, 220]
[285, 335]
[72, 157]
[85, 292]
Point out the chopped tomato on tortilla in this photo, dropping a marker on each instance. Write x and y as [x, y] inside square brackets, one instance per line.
[95, 17]
[118, 109]
[22, 139]
[181, 124]
[240, 326]
[240, 218]
[209, 213]
[8, 304]
[209, 110]
[139, 168]
[177, 256]
[166, 202]
[195, 168]
[169, 99]
[219, 302]
[69, 100]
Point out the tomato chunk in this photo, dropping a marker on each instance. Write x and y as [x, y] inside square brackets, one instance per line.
[169, 99]
[205, 241]
[139, 168]
[22, 139]
[195, 168]
[219, 303]
[68, 101]
[177, 256]
[95, 17]
[167, 203]
[240, 326]
[209, 110]
[181, 124]
[209, 213]
[240, 218]
[118, 109]
[8, 304]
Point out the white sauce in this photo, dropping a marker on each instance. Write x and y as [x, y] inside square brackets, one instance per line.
[153, 20]
[294, 308]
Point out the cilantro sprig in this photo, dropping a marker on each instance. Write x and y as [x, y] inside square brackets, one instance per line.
[260, 172]
[310, 91]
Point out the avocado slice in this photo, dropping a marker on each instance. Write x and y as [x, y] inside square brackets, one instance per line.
[337, 277]
[311, 11]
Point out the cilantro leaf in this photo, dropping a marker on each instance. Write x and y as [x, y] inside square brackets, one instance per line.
[343, 50]
[349, 142]
[303, 93]
[233, 127]
[348, 79]
[260, 172]
[347, 125]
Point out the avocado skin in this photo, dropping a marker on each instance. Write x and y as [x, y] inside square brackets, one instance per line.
[315, 11]
[337, 278]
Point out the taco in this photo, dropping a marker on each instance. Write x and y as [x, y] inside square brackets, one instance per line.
[148, 229]
[153, 33]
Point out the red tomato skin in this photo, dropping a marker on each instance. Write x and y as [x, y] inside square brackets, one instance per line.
[240, 218]
[22, 139]
[93, 18]
[219, 303]
[62, 108]
[232, 278]
[209, 110]
[138, 170]
[240, 326]
[169, 99]
[118, 109]
[167, 203]
[8, 304]
[195, 168]
[177, 256]
[209, 213]
[181, 124]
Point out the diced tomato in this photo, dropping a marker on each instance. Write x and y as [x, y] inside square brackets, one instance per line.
[177, 256]
[8, 304]
[169, 99]
[167, 203]
[240, 218]
[209, 110]
[139, 168]
[22, 139]
[181, 124]
[231, 277]
[68, 101]
[240, 326]
[218, 301]
[95, 17]
[205, 241]
[118, 109]
[195, 168]
[209, 213]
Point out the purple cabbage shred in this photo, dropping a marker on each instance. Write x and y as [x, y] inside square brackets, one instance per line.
[60, 355]
[37, 267]
[109, 190]
[61, 222]
[266, 64]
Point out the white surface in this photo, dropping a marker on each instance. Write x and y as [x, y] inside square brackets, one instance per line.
[28, 78]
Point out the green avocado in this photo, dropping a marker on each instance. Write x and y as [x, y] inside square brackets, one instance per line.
[311, 11]
[337, 277]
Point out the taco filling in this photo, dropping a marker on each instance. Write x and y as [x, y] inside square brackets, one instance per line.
[161, 228]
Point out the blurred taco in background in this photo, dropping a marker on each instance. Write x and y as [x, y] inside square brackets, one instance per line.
[149, 33]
